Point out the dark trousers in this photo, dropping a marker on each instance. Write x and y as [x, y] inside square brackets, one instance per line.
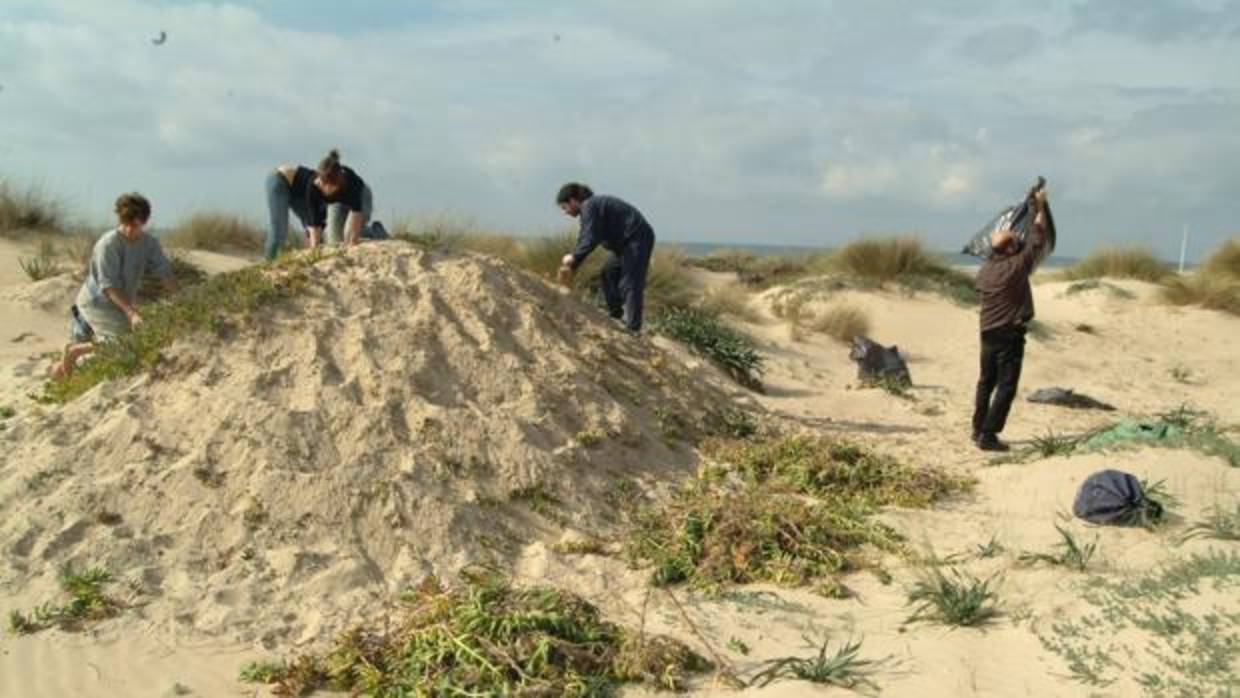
[1003, 351]
[624, 280]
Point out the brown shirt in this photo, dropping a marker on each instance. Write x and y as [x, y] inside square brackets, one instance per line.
[1003, 284]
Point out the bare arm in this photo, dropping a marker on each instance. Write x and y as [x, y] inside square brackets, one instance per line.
[118, 299]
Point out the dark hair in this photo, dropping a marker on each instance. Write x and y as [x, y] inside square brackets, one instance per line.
[330, 170]
[573, 190]
[133, 207]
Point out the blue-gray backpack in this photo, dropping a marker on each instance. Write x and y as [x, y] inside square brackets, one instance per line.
[1115, 497]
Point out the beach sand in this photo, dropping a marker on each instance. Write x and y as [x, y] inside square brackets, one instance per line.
[364, 440]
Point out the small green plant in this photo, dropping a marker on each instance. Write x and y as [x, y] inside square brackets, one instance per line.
[705, 333]
[959, 599]
[1070, 552]
[589, 437]
[1219, 524]
[7, 412]
[541, 501]
[739, 424]
[738, 646]
[43, 264]
[842, 667]
[991, 548]
[1051, 444]
[87, 602]
[263, 671]
[1040, 331]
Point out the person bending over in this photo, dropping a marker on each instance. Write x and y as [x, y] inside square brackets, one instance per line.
[106, 304]
[621, 229]
[1007, 307]
[321, 198]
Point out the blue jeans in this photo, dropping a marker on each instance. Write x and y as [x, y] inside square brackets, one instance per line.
[279, 201]
[337, 214]
[624, 280]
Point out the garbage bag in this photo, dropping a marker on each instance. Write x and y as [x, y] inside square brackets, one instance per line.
[1114, 497]
[1019, 219]
[1066, 397]
[879, 364]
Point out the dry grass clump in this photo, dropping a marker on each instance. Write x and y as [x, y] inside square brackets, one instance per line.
[729, 299]
[842, 321]
[758, 271]
[487, 638]
[1214, 285]
[44, 264]
[215, 231]
[884, 259]
[1119, 263]
[903, 261]
[23, 213]
[784, 509]
[452, 234]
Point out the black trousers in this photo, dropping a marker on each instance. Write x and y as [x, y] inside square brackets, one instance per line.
[624, 280]
[1003, 351]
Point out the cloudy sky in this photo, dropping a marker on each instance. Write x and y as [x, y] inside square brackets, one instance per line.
[789, 121]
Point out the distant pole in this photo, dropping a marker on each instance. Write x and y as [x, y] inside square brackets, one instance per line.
[1183, 247]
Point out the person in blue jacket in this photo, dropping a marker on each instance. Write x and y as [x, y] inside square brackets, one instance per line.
[621, 229]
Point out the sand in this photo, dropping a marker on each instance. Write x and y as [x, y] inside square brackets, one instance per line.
[282, 481]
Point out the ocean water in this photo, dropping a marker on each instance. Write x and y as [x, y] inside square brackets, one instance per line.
[701, 249]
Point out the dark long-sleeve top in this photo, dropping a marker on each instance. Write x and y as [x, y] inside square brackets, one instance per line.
[1003, 284]
[609, 222]
[350, 193]
[302, 189]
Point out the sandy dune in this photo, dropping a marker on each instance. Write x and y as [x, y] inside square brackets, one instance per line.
[278, 483]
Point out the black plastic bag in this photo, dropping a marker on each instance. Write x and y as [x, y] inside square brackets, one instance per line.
[1114, 497]
[877, 364]
[1019, 219]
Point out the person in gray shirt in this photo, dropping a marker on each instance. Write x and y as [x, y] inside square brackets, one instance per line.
[106, 304]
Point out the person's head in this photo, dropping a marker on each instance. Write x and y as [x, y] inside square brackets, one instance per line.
[132, 212]
[330, 175]
[571, 196]
[1004, 242]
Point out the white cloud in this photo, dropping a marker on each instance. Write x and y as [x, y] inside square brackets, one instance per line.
[720, 118]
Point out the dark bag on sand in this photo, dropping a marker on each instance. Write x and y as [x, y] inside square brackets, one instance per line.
[1114, 497]
[879, 364]
[1019, 219]
[1067, 397]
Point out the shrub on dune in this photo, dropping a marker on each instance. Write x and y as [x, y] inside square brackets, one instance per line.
[25, 212]
[1215, 285]
[1119, 263]
[904, 261]
[216, 232]
[842, 321]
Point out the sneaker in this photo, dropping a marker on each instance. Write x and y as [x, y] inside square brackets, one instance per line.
[990, 442]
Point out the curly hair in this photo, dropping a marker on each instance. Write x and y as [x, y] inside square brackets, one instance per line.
[133, 207]
[573, 190]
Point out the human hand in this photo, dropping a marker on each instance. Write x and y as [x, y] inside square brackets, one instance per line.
[135, 320]
[566, 260]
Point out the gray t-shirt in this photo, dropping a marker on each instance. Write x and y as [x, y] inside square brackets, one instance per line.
[118, 263]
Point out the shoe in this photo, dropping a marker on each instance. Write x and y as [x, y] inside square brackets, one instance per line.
[990, 442]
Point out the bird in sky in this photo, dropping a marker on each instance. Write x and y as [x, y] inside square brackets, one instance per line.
[159, 40]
